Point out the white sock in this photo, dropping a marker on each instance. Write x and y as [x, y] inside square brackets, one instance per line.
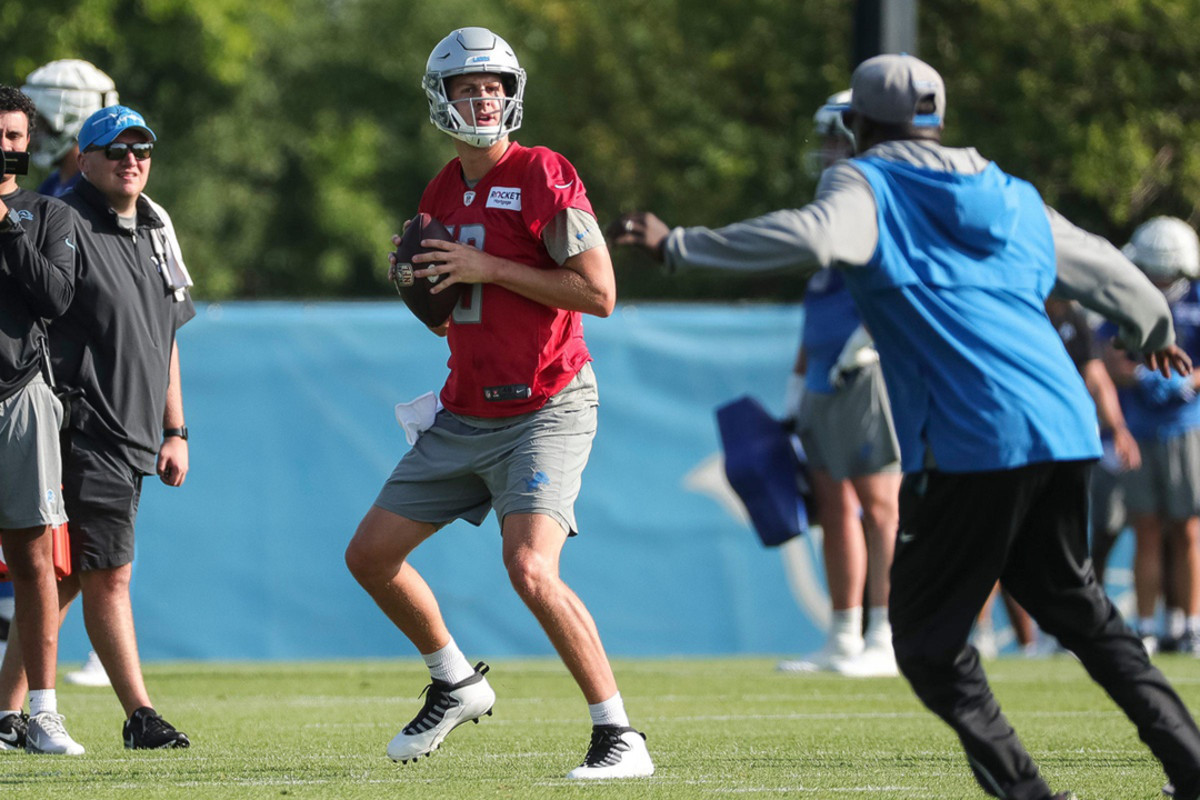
[610, 712]
[16, 712]
[1193, 625]
[448, 665]
[1145, 626]
[1176, 622]
[879, 630]
[42, 700]
[847, 622]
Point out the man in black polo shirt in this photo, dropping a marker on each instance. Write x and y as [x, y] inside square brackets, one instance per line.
[37, 278]
[116, 348]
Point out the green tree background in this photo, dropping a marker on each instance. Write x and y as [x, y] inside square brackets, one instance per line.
[295, 136]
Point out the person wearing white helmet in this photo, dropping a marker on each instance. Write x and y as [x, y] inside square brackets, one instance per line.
[839, 404]
[520, 403]
[1162, 497]
[66, 92]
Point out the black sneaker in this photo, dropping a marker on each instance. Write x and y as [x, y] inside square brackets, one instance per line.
[146, 730]
[615, 752]
[13, 728]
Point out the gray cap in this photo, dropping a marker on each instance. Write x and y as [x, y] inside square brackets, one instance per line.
[888, 89]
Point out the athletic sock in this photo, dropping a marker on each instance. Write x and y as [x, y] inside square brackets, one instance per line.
[879, 630]
[448, 665]
[1193, 625]
[610, 712]
[5, 713]
[1145, 626]
[42, 700]
[847, 622]
[1176, 623]
[846, 628]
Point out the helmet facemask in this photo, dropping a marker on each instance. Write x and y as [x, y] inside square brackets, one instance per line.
[472, 51]
[65, 93]
[836, 141]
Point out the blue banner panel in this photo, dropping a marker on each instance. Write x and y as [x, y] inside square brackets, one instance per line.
[290, 410]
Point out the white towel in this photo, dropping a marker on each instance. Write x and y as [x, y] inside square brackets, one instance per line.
[174, 271]
[416, 416]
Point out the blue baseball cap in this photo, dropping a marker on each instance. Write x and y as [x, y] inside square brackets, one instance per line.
[109, 123]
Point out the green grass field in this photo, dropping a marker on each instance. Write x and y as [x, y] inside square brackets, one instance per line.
[717, 728]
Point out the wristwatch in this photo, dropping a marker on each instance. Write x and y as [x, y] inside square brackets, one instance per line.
[10, 222]
[180, 432]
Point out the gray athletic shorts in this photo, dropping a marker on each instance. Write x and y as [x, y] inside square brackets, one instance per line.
[1168, 482]
[102, 493]
[30, 463]
[850, 432]
[463, 467]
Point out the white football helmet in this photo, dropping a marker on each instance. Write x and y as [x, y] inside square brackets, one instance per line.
[65, 92]
[828, 124]
[464, 52]
[1165, 248]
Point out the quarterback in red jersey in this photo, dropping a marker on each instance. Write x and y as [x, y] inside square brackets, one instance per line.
[498, 336]
[520, 404]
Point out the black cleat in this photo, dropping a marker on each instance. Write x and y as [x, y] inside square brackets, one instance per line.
[13, 728]
[146, 730]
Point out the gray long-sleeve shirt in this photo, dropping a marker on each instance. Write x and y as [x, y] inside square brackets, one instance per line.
[840, 228]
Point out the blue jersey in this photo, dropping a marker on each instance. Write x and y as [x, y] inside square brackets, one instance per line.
[954, 295]
[53, 188]
[1164, 408]
[829, 319]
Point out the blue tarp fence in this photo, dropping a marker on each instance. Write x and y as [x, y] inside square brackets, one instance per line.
[290, 410]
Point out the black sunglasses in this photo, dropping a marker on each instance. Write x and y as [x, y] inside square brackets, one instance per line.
[118, 150]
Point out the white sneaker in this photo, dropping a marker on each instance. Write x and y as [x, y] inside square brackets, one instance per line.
[46, 734]
[872, 662]
[90, 674]
[447, 705]
[615, 752]
[836, 652]
[985, 642]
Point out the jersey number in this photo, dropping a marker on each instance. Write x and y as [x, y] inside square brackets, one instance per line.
[469, 310]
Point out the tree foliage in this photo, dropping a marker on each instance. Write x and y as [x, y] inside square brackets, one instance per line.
[295, 137]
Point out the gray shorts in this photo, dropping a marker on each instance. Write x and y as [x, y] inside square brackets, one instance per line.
[30, 463]
[102, 493]
[1168, 482]
[463, 467]
[850, 432]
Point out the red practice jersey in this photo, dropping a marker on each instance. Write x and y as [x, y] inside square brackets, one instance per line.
[508, 354]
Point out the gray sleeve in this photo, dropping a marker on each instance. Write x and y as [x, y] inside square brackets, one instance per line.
[839, 227]
[1096, 274]
[571, 232]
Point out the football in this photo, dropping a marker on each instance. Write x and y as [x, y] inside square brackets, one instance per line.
[431, 309]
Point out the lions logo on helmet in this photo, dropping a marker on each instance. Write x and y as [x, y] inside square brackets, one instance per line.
[65, 92]
[467, 51]
[1166, 249]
